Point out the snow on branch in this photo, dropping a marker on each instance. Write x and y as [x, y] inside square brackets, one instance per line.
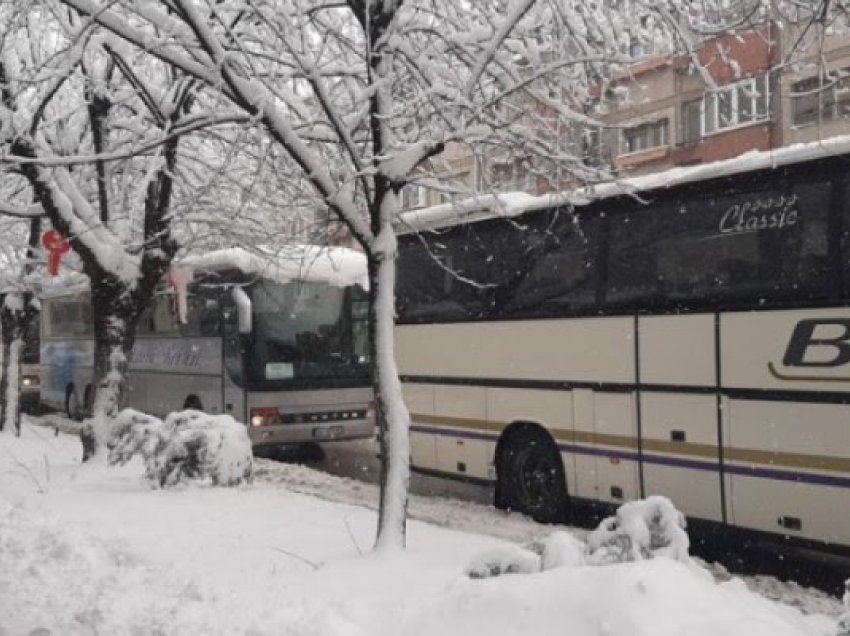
[29, 212]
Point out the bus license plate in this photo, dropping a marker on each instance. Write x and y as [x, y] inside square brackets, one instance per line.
[328, 432]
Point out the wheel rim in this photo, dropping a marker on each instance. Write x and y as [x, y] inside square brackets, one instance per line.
[537, 478]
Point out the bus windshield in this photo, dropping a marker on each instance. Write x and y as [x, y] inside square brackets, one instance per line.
[306, 331]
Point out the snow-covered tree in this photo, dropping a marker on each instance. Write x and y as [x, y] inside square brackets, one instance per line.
[362, 95]
[96, 137]
[19, 306]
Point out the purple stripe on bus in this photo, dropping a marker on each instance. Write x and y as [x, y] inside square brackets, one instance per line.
[663, 460]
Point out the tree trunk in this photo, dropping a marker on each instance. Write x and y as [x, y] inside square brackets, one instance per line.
[393, 416]
[11, 411]
[115, 320]
[4, 378]
[14, 316]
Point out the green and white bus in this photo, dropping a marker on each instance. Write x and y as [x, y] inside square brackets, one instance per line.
[692, 340]
[281, 346]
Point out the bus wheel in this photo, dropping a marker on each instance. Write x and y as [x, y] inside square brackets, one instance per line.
[73, 408]
[88, 400]
[193, 402]
[530, 475]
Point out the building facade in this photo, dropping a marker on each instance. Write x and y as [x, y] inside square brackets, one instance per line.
[758, 89]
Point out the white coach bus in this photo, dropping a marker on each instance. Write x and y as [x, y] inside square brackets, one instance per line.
[692, 342]
[280, 346]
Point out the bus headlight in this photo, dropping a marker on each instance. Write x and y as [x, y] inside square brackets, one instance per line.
[264, 416]
[29, 381]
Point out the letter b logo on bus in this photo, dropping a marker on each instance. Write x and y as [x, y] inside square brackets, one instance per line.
[821, 342]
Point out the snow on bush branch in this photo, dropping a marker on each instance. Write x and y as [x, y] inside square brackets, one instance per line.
[640, 530]
[188, 445]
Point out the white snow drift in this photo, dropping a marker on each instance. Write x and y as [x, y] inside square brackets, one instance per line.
[93, 549]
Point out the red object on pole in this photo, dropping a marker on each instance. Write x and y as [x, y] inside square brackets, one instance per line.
[58, 246]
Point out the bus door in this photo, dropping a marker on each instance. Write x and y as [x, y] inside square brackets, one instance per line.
[679, 412]
[600, 355]
[606, 439]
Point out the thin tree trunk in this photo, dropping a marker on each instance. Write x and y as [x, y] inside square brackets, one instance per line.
[12, 381]
[14, 316]
[4, 378]
[393, 416]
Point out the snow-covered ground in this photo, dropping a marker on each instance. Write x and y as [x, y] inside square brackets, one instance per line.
[93, 550]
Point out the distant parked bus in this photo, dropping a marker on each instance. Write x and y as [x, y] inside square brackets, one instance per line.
[281, 346]
[692, 341]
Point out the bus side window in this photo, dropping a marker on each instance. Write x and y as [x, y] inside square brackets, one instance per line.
[203, 317]
[557, 274]
[633, 259]
[163, 317]
[763, 244]
[71, 318]
[145, 324]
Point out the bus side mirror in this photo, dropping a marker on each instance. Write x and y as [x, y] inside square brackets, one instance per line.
[243, 310]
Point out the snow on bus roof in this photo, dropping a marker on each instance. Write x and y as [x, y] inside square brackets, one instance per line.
[513, 204]
[338, 266]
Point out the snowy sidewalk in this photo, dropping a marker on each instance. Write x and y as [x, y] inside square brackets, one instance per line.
[92, 550]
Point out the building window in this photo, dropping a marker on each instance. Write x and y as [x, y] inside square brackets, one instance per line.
[735, 105]
[508, 175]
[645, 136]
[692, 121]
[414, 196]
[821, 98]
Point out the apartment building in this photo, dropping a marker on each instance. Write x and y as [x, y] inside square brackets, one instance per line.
[765, 87]
[758, 89]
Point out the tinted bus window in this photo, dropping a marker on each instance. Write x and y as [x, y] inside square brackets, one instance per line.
[451, 275]
[747, 248]
[557, 274]
[70, 318]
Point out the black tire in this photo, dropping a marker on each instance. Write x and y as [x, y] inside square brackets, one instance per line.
[73, 408]
[193, 402]
[530, 476]
[88, 400]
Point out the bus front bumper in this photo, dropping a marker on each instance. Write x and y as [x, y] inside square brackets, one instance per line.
[302, 433]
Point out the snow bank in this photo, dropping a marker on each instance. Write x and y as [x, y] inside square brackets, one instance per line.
[187, 445]
[90, 552]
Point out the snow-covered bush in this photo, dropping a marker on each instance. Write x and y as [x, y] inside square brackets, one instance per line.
[558, 550]
[187, 445]
[134, 433]
[640, 530]
[510, 559]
